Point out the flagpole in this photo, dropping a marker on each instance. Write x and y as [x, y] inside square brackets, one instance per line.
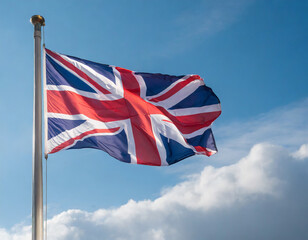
[37, 179]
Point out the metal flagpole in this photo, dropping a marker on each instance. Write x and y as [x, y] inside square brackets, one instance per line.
[37, 179]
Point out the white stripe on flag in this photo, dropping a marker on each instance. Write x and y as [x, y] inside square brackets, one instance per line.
[96, 96]
[195, 110]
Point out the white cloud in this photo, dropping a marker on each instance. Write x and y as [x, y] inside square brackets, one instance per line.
[259, 177]
[261, 196]
[302, 153]
[18, 232]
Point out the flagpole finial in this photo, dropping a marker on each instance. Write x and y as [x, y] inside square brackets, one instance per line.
[37, 19]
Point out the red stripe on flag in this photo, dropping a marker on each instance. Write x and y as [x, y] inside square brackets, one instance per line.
[130, 83]
[71, 103]
[73, 140]
[203, 150]
[176, 88]
[78, 71]
[191, 123]
[140, 110]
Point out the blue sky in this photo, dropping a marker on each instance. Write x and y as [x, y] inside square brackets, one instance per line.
[253, 54]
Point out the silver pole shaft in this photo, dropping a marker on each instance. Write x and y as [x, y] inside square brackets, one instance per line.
[37, 179]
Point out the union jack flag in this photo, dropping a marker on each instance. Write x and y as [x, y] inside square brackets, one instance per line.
[136, 117]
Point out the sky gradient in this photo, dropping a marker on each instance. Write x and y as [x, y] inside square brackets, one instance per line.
[253, 54]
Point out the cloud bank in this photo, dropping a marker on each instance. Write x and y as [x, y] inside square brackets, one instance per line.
[263, 195]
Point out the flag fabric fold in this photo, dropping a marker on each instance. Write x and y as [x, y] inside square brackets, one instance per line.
[136, 117]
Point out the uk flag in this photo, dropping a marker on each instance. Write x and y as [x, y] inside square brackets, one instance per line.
[136, 117]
